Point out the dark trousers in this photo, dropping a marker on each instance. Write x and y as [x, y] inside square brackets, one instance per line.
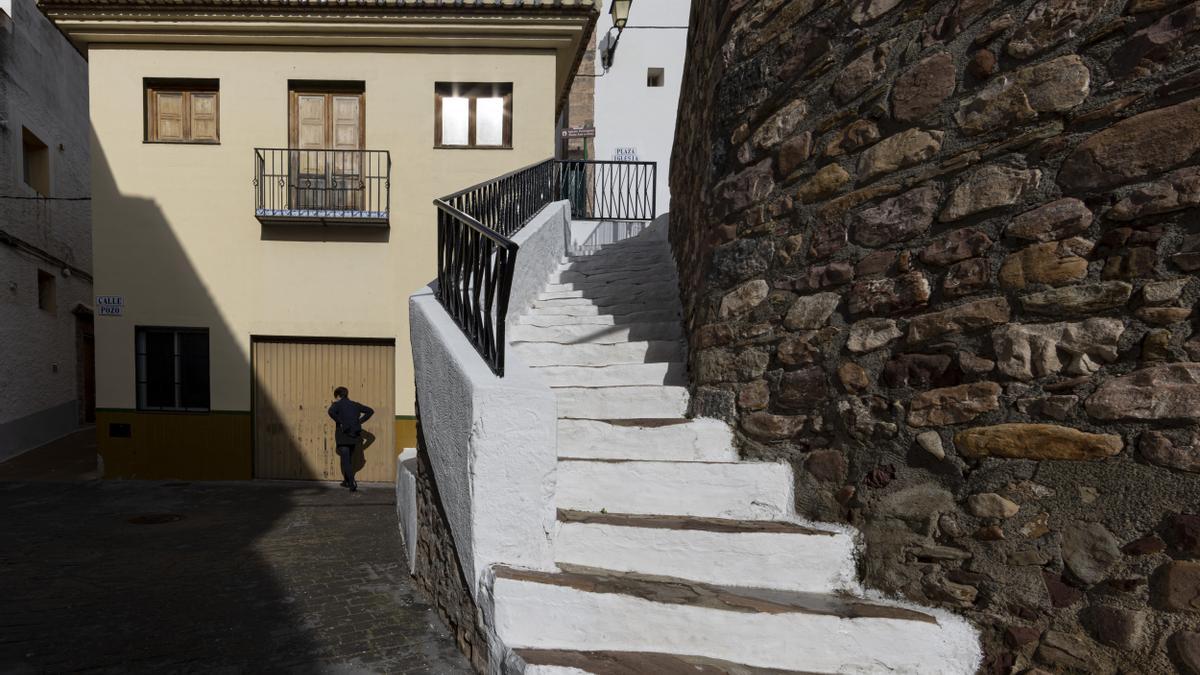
[346, 452]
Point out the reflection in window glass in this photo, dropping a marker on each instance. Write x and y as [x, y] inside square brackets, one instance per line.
[489, 121]
[455, 120]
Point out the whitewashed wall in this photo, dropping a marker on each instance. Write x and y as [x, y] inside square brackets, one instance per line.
[43, 87]
[628, 113]
[492, 441]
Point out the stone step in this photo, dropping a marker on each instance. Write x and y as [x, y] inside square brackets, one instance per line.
[567, 662]
[621, 403]
[689, 440]
[626, 246]
[669, 373]
[614, 287]
[747, 553]
[739, 490]
[538, 317]
[628, 271]
[638, 351]
[616, 308]
[612, 293]
[585, 334]
[599, 610]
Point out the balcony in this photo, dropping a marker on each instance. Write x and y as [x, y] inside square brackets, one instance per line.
[322, 187]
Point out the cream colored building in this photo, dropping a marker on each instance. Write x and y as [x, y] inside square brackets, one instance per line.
[262, 179]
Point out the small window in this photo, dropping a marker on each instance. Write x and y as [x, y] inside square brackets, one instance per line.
[35, 162]
[182, 111]
[47, 299]
[654, 77]
[472, 115]
[172, 369]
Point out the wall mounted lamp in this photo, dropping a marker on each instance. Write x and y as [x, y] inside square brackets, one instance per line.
[619, 10]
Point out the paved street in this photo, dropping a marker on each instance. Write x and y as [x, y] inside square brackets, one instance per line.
[254, 577]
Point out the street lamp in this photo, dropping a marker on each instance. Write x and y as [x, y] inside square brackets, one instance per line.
[619, 10]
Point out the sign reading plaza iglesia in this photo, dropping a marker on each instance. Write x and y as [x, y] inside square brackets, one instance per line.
[629, 154]
[110, 305]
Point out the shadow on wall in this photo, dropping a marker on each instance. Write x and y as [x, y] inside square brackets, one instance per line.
[218, 444]
[165, 595]
[639, 302]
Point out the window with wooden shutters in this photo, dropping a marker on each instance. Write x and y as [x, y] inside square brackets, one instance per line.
[182, 111]
[326, 137]
[472, 115]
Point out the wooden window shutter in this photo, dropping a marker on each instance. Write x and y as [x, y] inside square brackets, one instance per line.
[204, 116]
[168, 122]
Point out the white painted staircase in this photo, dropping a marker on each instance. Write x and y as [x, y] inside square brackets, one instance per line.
[673, 556]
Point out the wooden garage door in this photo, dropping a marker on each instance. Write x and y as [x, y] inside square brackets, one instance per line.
[294, 381]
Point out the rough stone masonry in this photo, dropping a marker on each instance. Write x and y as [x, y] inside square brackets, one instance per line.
[941, 255]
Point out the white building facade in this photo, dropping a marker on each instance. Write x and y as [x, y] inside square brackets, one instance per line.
[45, 233]
[637, 98]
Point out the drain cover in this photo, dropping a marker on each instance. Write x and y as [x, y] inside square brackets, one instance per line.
[155, 518]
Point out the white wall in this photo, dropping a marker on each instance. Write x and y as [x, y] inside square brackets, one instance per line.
[43, 87]
[628, 113]
[492, 441]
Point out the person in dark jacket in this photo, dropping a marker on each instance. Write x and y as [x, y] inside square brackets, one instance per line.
[349, 417]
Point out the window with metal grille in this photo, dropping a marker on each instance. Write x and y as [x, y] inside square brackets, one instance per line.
[172, 369]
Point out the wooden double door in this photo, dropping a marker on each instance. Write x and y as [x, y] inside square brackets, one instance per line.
[326, 135]
[293, 388]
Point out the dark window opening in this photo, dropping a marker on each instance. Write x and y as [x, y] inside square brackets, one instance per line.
[35, 162]
[172, 369]
[46, 291]
[654, 77]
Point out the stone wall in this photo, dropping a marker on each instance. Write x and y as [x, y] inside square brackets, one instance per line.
[940, 255]
[437, 570]
[581, 101]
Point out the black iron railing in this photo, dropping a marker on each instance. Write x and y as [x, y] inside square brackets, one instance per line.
[610, 190]
[326, 186]
[475, 255]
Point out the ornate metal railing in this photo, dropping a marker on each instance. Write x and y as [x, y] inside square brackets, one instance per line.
[610, 190]
[476, 257]
[326, 186]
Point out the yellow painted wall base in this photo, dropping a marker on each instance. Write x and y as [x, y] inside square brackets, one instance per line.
[406, 434]
[170, 446]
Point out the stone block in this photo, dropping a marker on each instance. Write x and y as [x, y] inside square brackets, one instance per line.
[1168, 392]
[1036, 441]
[953, 405]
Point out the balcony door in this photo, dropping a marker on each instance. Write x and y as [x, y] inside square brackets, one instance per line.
[327, 134]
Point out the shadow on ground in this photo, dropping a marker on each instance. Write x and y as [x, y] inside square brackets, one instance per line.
[116, 576]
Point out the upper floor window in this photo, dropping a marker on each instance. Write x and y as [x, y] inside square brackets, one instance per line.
[472, 115]
[654, 77]
[35, 162]
[172, 369]
[182, 111]
[47, 299]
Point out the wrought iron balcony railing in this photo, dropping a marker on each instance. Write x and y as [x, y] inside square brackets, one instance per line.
[476, 255]
[351, 187]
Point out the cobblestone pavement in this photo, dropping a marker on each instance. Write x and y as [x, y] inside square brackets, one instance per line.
[254, 577]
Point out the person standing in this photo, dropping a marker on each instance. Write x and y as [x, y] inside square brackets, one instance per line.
[349, 417]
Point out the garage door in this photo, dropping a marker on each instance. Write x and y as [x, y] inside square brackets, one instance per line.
[293, 387]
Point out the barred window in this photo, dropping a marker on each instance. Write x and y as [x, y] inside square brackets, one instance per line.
[172, 369]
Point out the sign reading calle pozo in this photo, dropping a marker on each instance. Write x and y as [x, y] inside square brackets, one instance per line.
[110, 305]
[579, 132]
[625, 154]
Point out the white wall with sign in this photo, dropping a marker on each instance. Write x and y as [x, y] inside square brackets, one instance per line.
[636, 122]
